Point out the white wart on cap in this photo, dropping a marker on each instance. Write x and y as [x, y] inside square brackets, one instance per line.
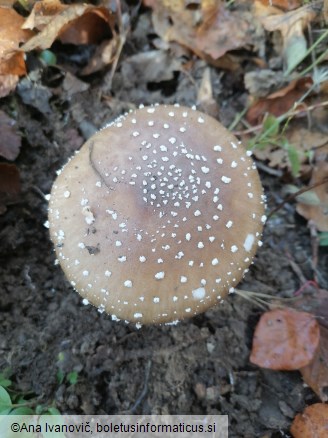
[158, 216]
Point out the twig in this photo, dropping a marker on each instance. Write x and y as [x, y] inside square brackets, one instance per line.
[295, 268]
[285, 116]
[315, 245]
[294, 195]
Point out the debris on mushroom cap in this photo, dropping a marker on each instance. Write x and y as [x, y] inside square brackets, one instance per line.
[158, 216]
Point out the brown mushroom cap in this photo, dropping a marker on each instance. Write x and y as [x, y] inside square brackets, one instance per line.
[158, 216]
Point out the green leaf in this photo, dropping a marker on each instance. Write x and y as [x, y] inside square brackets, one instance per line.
[5, 400]
[309, 197]
[5, 382]
[72, 377]
[60, 376]
[295, 51]
[53, 411]
[5, 412]
[294, 159]
[39, 409]
[23, 410]
[61, 356]
[19, 400]
[323, 238]
[270, 127]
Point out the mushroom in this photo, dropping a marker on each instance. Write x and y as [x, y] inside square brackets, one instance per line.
[158, 216]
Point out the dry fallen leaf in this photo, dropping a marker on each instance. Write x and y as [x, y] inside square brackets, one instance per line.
[7, 84]
[279, 102]
[286, 5]
[302, 140]
[74, 24]
[209, 29]
[42, 13]
[311, 423]
[104, 55]
[285, 339]
[10, 141]
[317, 213]
[291, 25]
[261, 82]
[315, 374]
[9, 185]
[11, 36]
[205, 98]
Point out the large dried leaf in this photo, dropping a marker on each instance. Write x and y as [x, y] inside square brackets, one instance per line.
[315, 374]
[291, 25]
[317, 213]
[11, 36]
[74, 24]
[311, 423]
[279, 102]
[42, 14]
[7, 84]
[10, 141]
[285, 339]
[286, 5]
[210, 30]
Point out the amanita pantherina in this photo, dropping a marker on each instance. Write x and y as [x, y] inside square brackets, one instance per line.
[158, 216]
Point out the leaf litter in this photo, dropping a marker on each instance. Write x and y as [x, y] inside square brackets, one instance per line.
[285, 339]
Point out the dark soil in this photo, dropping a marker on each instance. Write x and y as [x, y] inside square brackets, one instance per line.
[200, 366]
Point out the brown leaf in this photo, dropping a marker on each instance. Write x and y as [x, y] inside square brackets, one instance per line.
[209, 30]
[42, 13]
[7, 3]
[104, 55]
[75, 24]
[311, 423]
[11, 35]
[291, 25]
[301, 139]
[279, 102]
[317, 213]
[315, 374]
[205, 98]
[221, 31]
[285, 339]
[286, 5]
[315, 303]
[94, 25]
[10, 141]
[7, 84]
[9, 185]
